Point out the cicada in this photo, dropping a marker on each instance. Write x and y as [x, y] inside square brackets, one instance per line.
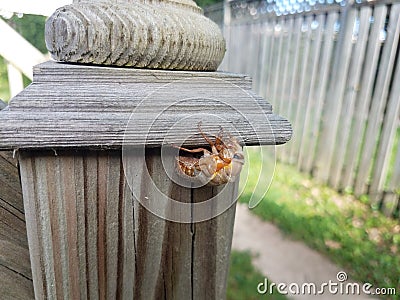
[219, 166]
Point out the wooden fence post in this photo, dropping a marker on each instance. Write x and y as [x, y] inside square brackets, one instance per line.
[106, 218]
[15, 271]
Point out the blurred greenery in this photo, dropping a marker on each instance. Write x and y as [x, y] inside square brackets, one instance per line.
[353, 235]
[204, 3]
[32, 29]
[4, 90]
[244, 278]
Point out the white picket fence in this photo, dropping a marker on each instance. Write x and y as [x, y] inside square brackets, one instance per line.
[334, 71]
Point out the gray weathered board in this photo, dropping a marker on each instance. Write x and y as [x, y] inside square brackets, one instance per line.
[89, 239]
[15, 269]
[87, 235]
[82, 106]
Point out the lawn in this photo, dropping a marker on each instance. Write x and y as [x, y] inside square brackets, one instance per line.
[349, 232]
[244, 278]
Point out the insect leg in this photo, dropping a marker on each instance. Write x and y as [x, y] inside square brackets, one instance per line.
[197, 150]
[204, 136]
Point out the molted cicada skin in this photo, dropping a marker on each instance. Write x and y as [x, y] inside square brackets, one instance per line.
[216, 167]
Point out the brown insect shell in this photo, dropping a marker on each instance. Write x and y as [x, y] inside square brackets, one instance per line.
[208, 165]
[222, 177]
[236, 167]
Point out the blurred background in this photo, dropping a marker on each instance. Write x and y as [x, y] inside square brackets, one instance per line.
[332, 68]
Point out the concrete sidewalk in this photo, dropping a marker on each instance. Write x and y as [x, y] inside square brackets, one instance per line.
[283, 260]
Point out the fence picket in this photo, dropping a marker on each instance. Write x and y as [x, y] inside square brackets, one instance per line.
[378, 100]
[304, 150]
[246, 38]
[334, 99]
[322, 89]
[391, 199]
[253, 49]
[388, 136]
[364, 97]
[350, 97]
[258, 57]
[286, 60]
[292, 80]
[266, 48]
[298, 122]
[335, 83]
[271, 64]
[279, 31]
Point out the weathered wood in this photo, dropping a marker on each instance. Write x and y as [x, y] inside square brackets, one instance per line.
[15, 269]
[14, 287]
[305, 151]
[156, 34]
[286, 64]
[88, 235]
[348, 93]
[277, 71]
[2, 104]
[266, 36]
[227, 29]
[246, 38]
[336, 89]
[379, 99]
[364, 96]
[271, 61]
[105, 244]
[291, 88]
[352, 88]
[391, 200]
[387, 141]
[254, 53]
[301, 101]
[218, 247]
[77, 106]
[322, 89]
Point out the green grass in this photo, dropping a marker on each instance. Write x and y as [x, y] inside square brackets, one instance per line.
[4, 90]
[350, 233]
[244, 278]
[392, 162]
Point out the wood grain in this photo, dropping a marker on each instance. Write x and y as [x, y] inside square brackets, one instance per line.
[104, 244]
[156, 34]
[15, 268]
[335, 93]
[379, 100]
[2, 104]
[364, 96]
[311, 102]
[303, 89]
[349, 98]
[77, 106]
